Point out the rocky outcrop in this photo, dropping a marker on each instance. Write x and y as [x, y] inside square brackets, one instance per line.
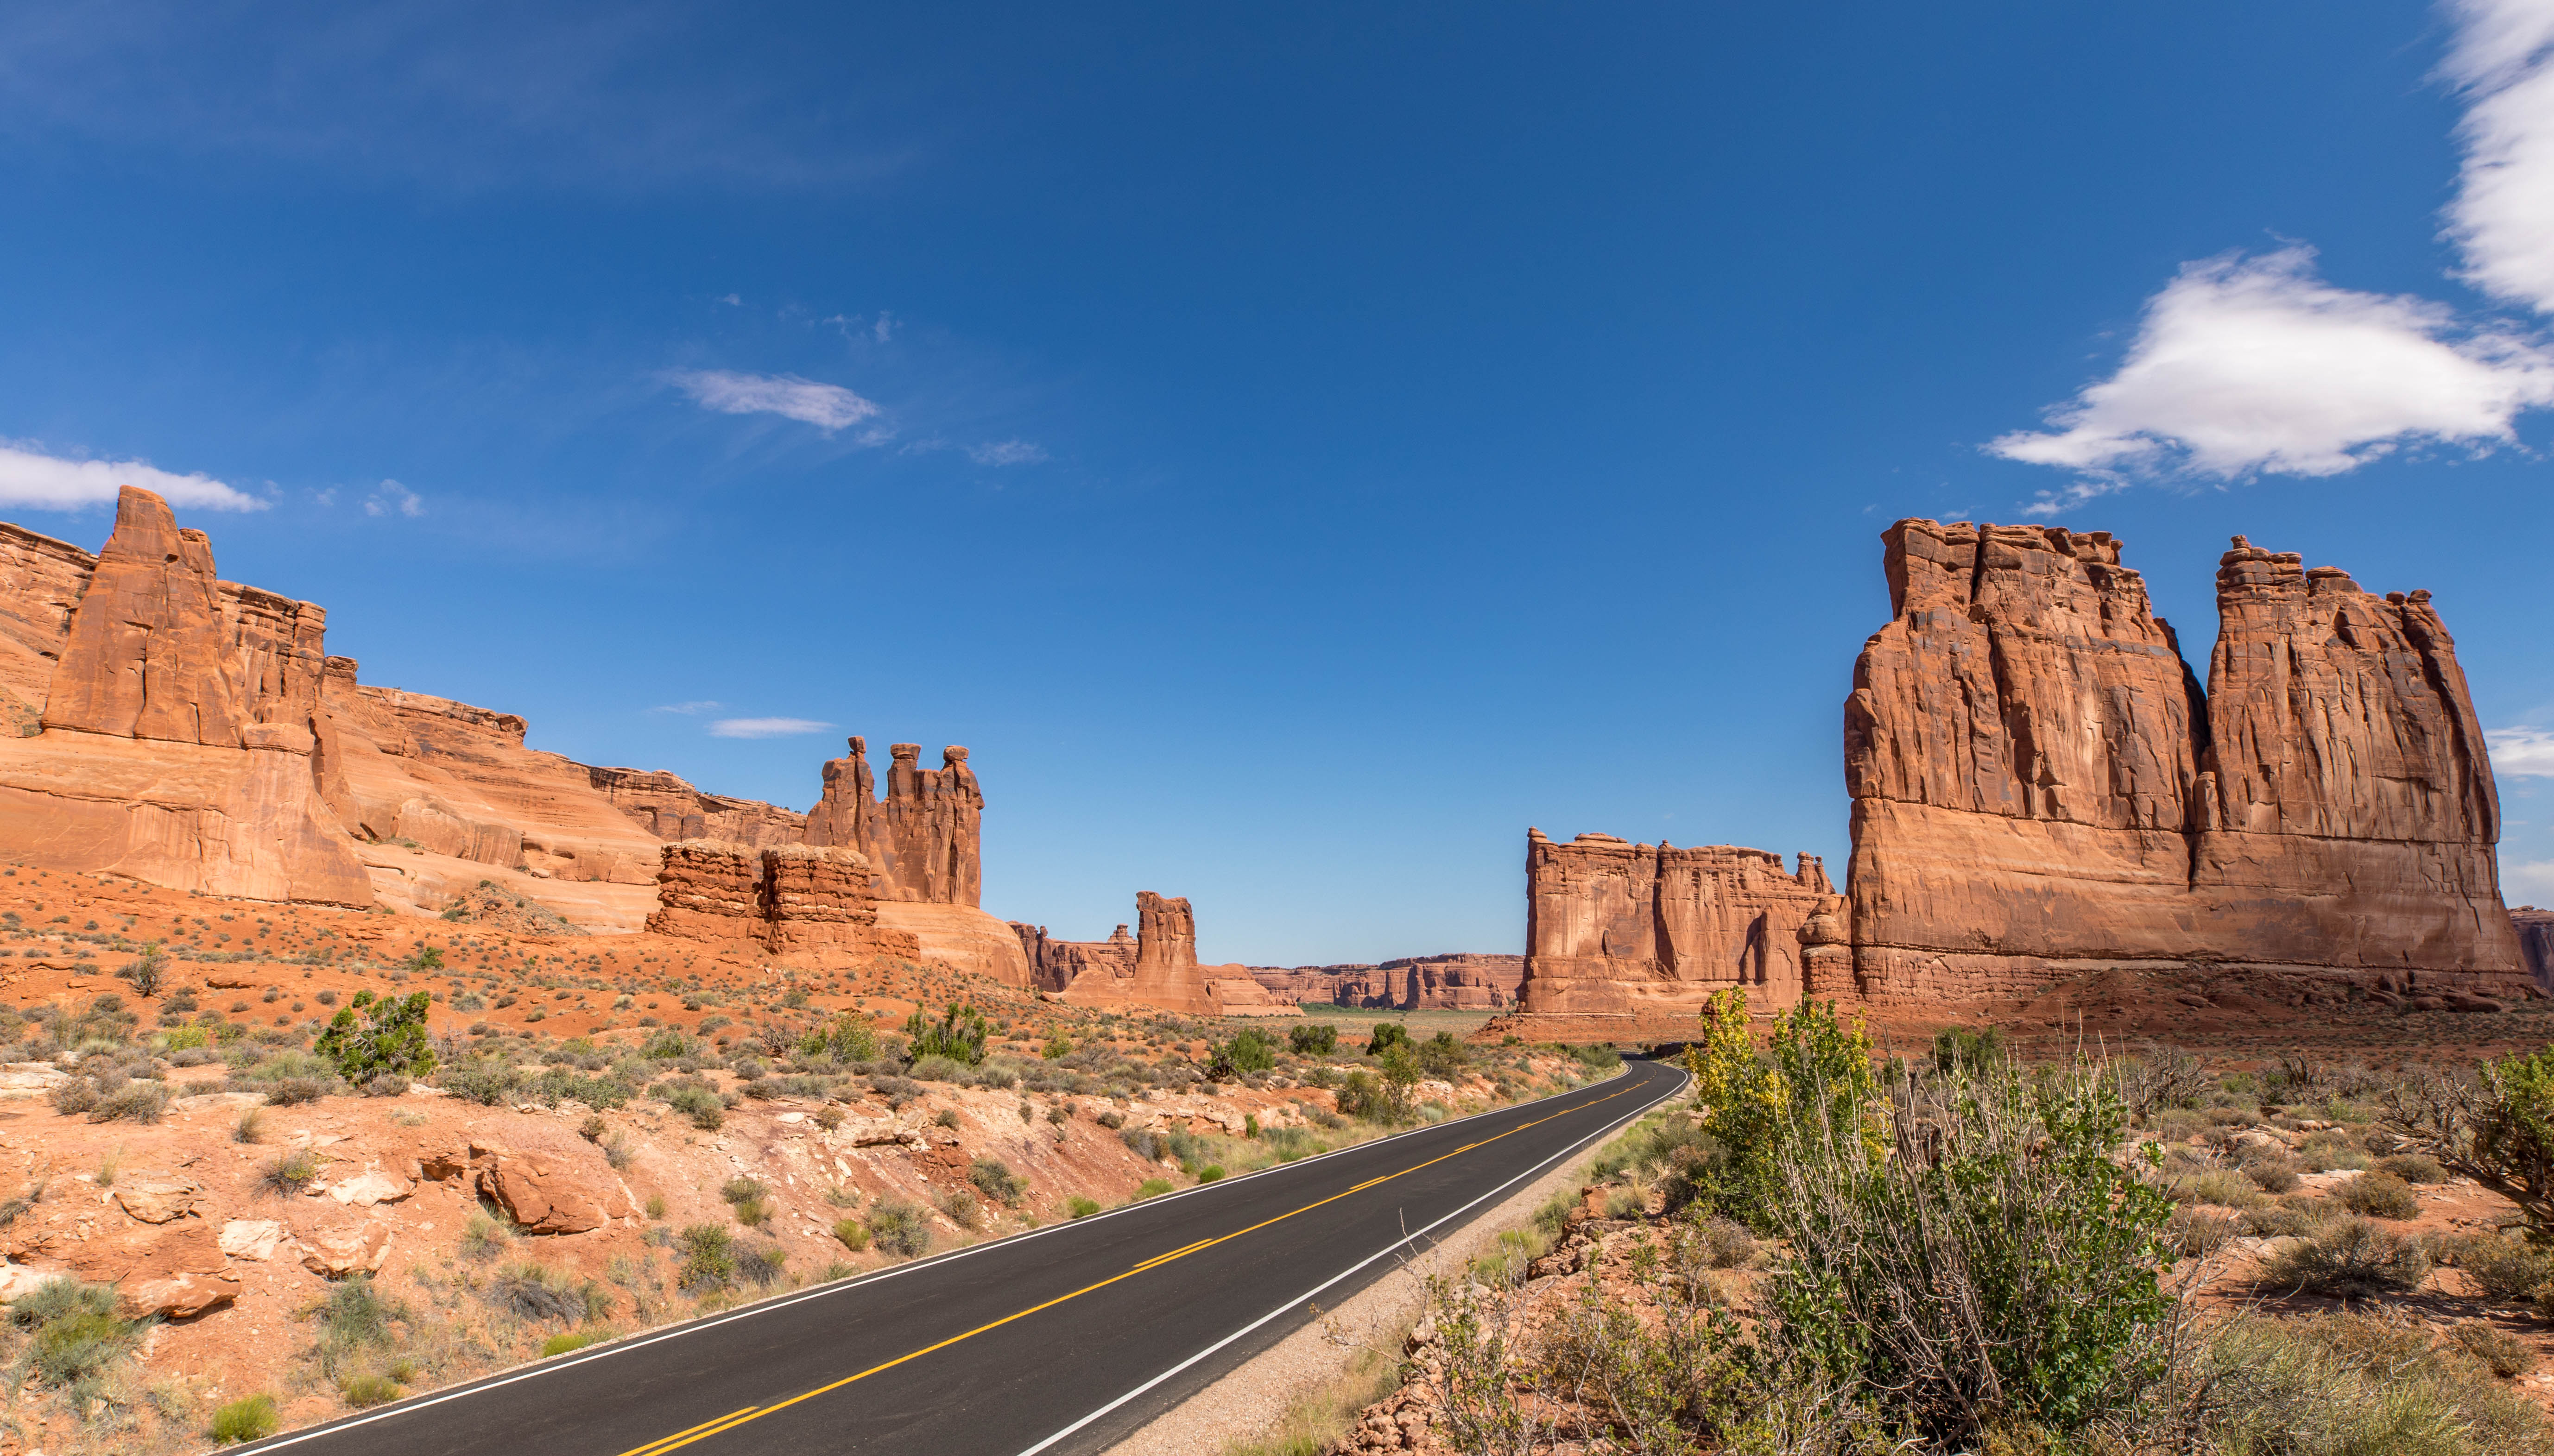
[2535, 929]
[42, 581]
[708, 890]
[817, 895]
[1165, 971]
[2040, 783]
[668, 807]
[925, 843]
[1056, 964]
[178, 742]
[1458, 982]
[1614, 928]
[1236, 993]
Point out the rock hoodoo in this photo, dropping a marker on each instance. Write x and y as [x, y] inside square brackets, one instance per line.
[1162, 970]
[1651, 931]
[925, 843]
[2536, 943]
[2039, 782]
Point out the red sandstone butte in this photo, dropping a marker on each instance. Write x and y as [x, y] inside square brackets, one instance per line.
[1651, 932]
[1164, 972]
[2040, 783]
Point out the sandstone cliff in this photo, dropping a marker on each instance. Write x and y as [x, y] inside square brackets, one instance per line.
[925, 843]
[1056, 964]
[2039, 781]
[1651, 931]
[1164, 972]
[2536, 943]
[670, 808]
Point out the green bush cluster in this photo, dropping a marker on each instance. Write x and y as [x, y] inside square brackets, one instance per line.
[369, 1038]
[957, 1036]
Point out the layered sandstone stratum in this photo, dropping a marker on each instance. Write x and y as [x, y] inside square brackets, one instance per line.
[160, 722]
[1458, 982]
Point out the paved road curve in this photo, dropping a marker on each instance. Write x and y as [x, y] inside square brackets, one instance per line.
[1058, 1341]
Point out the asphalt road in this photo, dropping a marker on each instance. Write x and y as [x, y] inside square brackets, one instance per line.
[1062, 1341]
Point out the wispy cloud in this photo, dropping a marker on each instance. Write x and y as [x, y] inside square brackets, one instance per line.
[2522, 753]
[2534, 877]
[1006, 452]
[706, 705]
[2256, 365]
[391, 497]
[829, 408]
[31, 479]
[765, 728]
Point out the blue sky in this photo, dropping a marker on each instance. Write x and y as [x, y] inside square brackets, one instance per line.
[1294, 448]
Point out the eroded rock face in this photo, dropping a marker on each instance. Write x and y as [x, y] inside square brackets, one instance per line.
[1164, 972]
[925, 843]
[146, 658]
[1458, 982]
[1056, 964]
[708, 890]
[2535, 929]
[42, 581]
[668, 807]
[817, 895]
[2039, 781]
[1614, 928]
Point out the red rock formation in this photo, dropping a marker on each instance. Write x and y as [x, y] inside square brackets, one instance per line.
[178, 742]
[817, 895]
[1458, 982]
[1652, 931]
[42, 581]
[1165, 971]
[1056, 964]
[708, 890]
[932, 830]
[2536, 943]
[1235, 992]
[670, 808]
[846, 816]
[2039, 782]
[1298, 984]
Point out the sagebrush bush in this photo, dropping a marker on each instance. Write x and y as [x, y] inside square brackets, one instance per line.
[2412, 1167]
[2507, 1353]
[2341, 1386]
[2349, 1259]
[252, 1418]
[2505, 1270]
[899, 1228]
[2379, 1195]
[855, 1235]
[709, 1258]
[995, 1180]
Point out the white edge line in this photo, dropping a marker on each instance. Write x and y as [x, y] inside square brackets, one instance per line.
[765, 1307]
[1308, 1295]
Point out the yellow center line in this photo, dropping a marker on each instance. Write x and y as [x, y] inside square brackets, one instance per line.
[707, 1430]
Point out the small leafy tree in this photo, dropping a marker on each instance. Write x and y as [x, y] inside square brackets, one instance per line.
[1400, 1068]
[1058, 1046]
[1443, 1056]
[2497, 1128]
[958, 1035]
[1817, 1068]
[148, 971]
[1956, 1047]
[369, 1038]
[1248, 1051]
[1313, 1041]
[1387, 1035]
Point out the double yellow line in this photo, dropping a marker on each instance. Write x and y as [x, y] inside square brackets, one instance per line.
[735, 1418]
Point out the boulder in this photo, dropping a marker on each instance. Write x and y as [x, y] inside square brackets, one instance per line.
[157, 1198]
[536, 1191]
[337, 1250]
[369, 1188]
[253, 1238]
[178, 1275]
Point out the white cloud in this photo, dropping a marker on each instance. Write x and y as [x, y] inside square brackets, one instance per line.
[2256, 364]
[2535, 878]
[1006, 452]
[2522, 753]
[732, 300]
[32, 479]
[391, 495]
[706, 705]
[765, 728]
[2503, 217]
[829, 408]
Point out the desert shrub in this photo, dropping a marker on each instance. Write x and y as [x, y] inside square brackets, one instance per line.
[2505, 1353]
[853, 1234]
[1957, 1049]
[2195, 1232]
[1598, 1060]
[1969, 1249]
[1443, 1057]
[743, 1188]
[292, 1092]
[667, 1045]
[572, 1340]
[1359, 1094]
[2349, 1259]
[252, 1418]
[697, 1101]
[361, 1391]
[1725, 1243]
[1249, 1049]
[962, 1207]
[2412, 1167]
[369, 1037]
[74, 1331]
[490, 1081]
[957, 1036]
[559, 1084]
[2379, 1195]
[352, 1318]
[483, 1237]
[290, 1174]
[1386, 1036]
[1313, 1041]
[2323, 1152]
[899, 1228]
[760, 1265]
[1152, 1188]
[2272, 1174]
[1078, 1206]
[937, 1068]
[534, 1292]
[995, 1180]
[2497, 1128]
[2505, 1270]
[709, 1258]
[846, 1039]
[2343, 1385]
[1818, 1071]
[139, 1101]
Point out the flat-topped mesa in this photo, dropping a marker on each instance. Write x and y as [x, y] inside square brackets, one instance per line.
[1056, 964]
[817, 895]
[1164, 972]
[1651, 931]
[1457, 982]
[788, 898]
[708, 890]
[2039, 782]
